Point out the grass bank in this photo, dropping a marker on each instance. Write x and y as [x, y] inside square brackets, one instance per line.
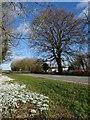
[67, 100]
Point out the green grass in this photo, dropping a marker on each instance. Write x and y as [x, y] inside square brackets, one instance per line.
[67, 100]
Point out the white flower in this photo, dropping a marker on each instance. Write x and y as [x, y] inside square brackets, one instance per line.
[45, 105]
[33, 111]
[11, 93]
[43, 108]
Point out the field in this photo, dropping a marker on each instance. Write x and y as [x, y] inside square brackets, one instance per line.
[66, 100]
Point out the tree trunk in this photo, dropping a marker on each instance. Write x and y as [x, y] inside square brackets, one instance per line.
[45, 71]
[59, 67]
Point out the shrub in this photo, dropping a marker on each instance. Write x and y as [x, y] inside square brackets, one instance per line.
[28, 65]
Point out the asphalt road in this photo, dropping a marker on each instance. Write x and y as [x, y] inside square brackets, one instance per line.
[74, 79]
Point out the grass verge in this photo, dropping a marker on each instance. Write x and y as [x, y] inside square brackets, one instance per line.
[67, 100]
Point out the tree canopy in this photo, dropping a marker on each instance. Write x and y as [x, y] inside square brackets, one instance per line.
[58, 35]
[28, 65]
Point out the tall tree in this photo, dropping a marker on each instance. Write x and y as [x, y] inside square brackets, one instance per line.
[58, 35]
[11, 13]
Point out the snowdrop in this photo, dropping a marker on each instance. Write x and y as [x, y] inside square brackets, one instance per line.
[43, 108]
[33, 111]
[11, 93]
[45, 105]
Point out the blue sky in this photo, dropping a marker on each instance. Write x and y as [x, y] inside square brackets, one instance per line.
[23, 51]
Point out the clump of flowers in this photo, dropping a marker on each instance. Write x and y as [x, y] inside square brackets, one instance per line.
[11, 93]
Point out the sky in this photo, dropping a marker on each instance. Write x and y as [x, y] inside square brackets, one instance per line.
[23, 50]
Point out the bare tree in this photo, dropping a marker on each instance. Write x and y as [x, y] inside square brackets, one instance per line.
[10, 12]
[81, 62]
[58, 35]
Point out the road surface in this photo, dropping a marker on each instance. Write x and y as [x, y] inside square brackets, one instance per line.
[74, 79]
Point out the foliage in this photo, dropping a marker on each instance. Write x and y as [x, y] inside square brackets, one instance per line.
[15, 66]
[67, 100]
[45, 67]
[28, 65]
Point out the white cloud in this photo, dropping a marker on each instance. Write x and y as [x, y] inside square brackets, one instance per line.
[84, 13]
[84, 7]
[24, 28]
[82, 4]
[17, 58]
[6, 66]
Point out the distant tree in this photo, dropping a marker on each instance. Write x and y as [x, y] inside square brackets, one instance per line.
[45, 67]
[81, 61]
[37, 67]
[58, 35]
[16, 65]
[71, 67]
[28, 65]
